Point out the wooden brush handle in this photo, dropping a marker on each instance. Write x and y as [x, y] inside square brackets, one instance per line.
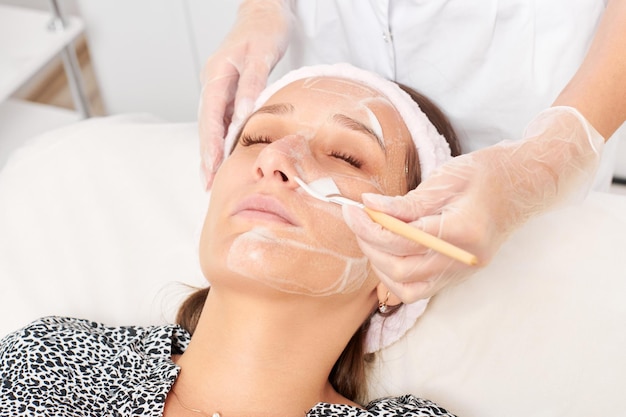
[406, 230]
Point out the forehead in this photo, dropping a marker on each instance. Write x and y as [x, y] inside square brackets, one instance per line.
[316, 98]
[339, 88]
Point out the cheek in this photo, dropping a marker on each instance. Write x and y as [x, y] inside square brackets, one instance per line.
[209, 245]
[353, 186]
[296, 266]
[213, 235]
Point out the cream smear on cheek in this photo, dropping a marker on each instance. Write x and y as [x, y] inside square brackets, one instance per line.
[335, 273]
[306, 265]
[262, 255]
[258, 253]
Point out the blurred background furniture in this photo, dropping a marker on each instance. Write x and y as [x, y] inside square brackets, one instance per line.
[29, 41]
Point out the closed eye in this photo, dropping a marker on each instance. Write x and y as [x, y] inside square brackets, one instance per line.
[355, 162]
[248, 140]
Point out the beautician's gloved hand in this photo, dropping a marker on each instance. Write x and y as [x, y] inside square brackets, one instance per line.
[476, 200]
[236, 73]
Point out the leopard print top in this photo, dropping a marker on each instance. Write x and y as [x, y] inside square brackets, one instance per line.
[69, 367]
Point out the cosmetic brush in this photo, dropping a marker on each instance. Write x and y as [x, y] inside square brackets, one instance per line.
[325, 189]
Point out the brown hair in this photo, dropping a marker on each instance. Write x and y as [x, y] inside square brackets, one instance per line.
[348, 374]
[440, 121]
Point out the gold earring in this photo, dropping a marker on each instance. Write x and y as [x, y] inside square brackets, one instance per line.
[382, 305]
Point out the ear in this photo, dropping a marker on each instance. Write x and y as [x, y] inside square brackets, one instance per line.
[382, 291]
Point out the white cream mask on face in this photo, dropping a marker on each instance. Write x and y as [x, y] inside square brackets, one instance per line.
[363, 105]
[335, 273]
[432, 150]
[325, 126]
[374, 122]
[268, 255]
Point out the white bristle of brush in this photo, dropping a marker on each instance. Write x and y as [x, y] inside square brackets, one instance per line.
[324, 186]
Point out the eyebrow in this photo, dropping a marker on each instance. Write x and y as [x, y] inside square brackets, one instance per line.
[353, 124]
[281, 108]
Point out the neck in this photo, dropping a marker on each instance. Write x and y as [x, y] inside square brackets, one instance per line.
[248, 352]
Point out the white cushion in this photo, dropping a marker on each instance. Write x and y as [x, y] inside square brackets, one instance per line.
[100, 220]
[541, 331]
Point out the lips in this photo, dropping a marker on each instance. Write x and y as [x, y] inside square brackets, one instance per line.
[264, 207]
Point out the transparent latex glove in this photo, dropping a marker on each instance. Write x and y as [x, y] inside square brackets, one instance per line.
[236, 73]
[476, 200]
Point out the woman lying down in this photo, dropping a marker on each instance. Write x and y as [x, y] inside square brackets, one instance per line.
[293, 307]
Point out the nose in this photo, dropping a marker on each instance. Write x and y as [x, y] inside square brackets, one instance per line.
[278, 161]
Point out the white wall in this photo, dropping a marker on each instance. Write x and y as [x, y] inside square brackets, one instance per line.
[66, 6]
[147, 54]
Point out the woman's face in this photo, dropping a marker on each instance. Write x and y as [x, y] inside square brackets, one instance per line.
[262, 227]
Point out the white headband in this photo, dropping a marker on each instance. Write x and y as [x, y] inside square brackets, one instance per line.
[432, 150]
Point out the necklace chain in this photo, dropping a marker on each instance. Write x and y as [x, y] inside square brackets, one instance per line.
[194, 410]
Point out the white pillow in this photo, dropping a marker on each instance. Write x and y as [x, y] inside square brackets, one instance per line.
[101, 220]
[541, 331]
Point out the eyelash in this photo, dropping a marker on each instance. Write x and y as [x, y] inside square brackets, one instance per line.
[355, 162]
[248, 140]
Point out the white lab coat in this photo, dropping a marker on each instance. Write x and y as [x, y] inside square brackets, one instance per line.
[490, 65]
